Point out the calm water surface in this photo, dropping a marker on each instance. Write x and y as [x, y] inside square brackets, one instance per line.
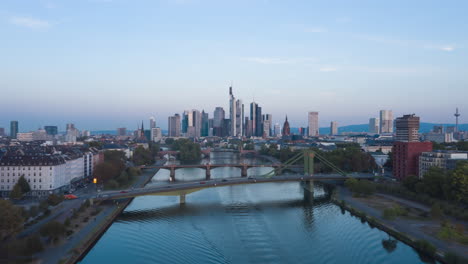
[260, 223]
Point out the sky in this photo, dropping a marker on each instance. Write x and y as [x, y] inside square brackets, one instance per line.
[103, 64]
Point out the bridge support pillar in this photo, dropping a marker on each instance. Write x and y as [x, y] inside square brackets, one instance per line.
[172, 175]
[182, 199]
[208, 172]
[244, 171]
[309, 191]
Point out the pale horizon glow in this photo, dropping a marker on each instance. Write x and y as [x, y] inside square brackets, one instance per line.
[103, 64]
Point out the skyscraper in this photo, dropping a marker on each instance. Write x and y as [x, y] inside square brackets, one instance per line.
[386, 121]
[174, 126]
[51, 130]
[256, 118]
[374, 125]
[152, 122]
[267, 121]
[313, 124]
[333, 128]
[121, 131]
[407, 128]
[277, 130]
[193, 119]
[205, 127]
[218, 122]
[2, 132]
[239, 118]
[13, 129]
[232, 112]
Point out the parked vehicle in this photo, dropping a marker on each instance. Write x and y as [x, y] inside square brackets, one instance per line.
[70, 197]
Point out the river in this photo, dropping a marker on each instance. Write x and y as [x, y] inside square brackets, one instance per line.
[258, 223]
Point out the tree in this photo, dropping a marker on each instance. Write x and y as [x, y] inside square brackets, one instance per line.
[142, 156]
[10, 218]
[434, 180]
[389, 244]
[410, 182]
[54, 230]
[105, 171]
[459, 183]
[25, 188]
[32, 245]
[16, 193]
[54, 199]
[436, 211]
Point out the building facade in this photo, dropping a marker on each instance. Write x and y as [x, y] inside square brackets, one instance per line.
[386, 121]
[333, 128]
[13, 129]
[174, 126]
[313, 124]
[407, 128]
[406, 158]
[446, 160]
[374, 125]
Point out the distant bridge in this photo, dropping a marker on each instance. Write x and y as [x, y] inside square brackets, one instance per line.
[207, 167]
[206, 152]
[184, 188]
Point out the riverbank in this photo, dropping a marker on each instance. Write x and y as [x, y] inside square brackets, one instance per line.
[81, 250]
[76, 246]
[409, 231]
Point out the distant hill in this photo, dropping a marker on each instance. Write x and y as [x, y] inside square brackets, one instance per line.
[423, 128]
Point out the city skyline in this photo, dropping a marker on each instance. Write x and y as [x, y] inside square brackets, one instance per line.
[180, 55]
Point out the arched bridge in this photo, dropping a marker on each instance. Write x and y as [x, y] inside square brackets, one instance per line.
[183, 188]
[207, 167]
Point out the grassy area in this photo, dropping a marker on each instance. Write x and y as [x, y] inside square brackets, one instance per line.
[453, 233]
[391, 209]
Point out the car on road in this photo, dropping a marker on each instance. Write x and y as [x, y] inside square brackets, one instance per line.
[167, 186]
[123, 192]
[251, 178]
[202, 182]
[224, 180]
[70, 197]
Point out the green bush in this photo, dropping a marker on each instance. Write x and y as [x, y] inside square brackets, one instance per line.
[54, 199]
[111, 184]
[426, 247]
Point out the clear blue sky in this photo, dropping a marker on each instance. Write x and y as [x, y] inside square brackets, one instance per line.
[103, 64]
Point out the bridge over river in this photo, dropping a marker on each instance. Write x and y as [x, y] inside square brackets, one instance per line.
[183, 188]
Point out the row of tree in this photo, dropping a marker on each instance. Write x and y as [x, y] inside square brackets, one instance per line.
[188, 150]
[347, 157]
[441, 184]
[113, 172]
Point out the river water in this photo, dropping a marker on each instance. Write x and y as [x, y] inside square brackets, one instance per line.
[258, 223]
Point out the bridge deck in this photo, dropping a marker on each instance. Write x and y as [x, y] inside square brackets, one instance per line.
[189, 187]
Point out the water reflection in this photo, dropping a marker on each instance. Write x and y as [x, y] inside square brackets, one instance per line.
[259, 223]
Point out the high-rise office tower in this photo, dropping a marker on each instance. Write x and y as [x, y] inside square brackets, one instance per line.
[205, 126]
[194, 123]
[386, 121]
[152, 122]
[121, 131]
[333, 128]
[253, 119]
[407, 128]
[51, 130]
[174, 126]
[218, 122]
[267, 122]
[239, 118]
[277, 130]
[2, 132]
[232, 112]
[313, 124]
[13, 129]
[374, 124]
